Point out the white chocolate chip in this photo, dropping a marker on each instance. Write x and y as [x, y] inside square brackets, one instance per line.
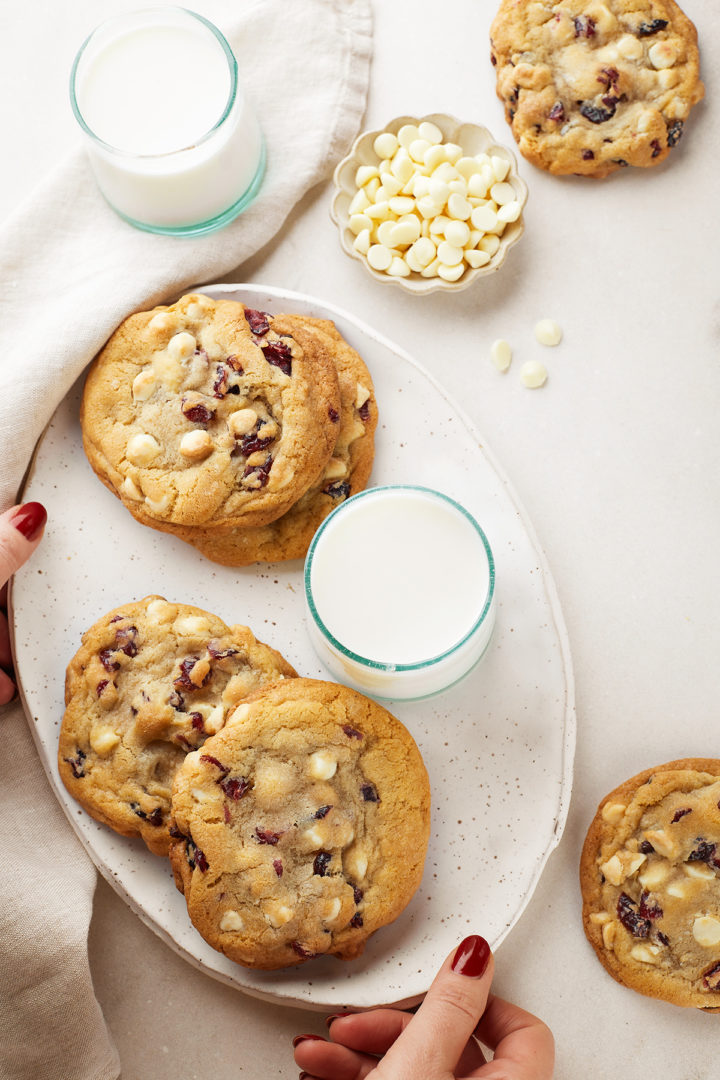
[143, 385]
[646, 954]
[533, 374]
[706, 931]
[142, 449]
[362, 241]
[232, 920]
[484, 218]
[277, 914]
[103, 740]
[203, 795]
[398, 267]
[196, 445]
[355, 863]
[678, 889]
[476, 258]
[502, 193]
[365, 173]
[609, 931]
[548, 332]
[159, 505]
[457, 233]
[489, 244]
[662, 842]
[159, 611]
[359, 203]
[359, 223]
[322, 765]
[613, 870]
[699, 870]
[379, 257]
[191, 625]
[130, 489]
[430, 132]
[331, 910]
[434, 157]
[501, 354]
[654, 874]
[500, 167]
[459, 207]
[241, 713]
[242, 422]
[450, 273]
[600, 917]
[272, 782]
[613, 812]
[181, 346]
[509, 212]
[630, 47]
[662, 54]
[407, 134]
[385, 144]
[335, 469]
[162, 321]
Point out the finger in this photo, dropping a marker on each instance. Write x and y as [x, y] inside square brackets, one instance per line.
[5, 654]
[330, 1061]
[471, 1059]
[21, 530]
[372, 1032]
[437, 1034]
[524, 1046]
[7, 688]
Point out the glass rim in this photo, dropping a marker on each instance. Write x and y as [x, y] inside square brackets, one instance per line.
[124, 16]
[379, 665]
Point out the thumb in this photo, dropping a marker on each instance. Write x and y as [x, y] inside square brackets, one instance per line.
[436, 1036]
[21, 530]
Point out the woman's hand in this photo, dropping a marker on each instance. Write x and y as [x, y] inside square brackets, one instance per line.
[438, 1042]
[21, 530]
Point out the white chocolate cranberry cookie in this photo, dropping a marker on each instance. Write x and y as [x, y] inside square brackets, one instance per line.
[151, 681]
[193, 419]
[347, 472]
[650, 879]
[301, 827]
[590, 87]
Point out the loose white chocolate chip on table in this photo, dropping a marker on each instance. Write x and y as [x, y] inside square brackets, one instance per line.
[706, 931]
[142, 449]
[196, 445]
[548, 332]
[533, 374]
[422, 188]
[501, 354]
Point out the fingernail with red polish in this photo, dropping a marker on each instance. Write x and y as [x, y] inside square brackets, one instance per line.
[336, 1016]
[30, 519]
[302, 1038]
[471, 957]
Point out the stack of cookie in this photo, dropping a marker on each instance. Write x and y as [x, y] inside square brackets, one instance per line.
[236, 430]
[295, 812]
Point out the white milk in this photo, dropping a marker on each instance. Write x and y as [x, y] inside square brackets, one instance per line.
[148, 89]
[402, 579]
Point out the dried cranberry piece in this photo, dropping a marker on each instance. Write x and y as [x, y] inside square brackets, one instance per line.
[351, 732]
[557, 112]
[340, 490]
[587, 155]
[266, 837]
[364, 410]
[301, 950]
[196, 857]
[322, 811]
[183, 681]
[279, 355]
[214, 761]
[333, 414]
[182, 741]
[711, 977]
[117, 618]
[218, 654]
[106, 659]
[278, 867]
[155, 817]
[663, 939]
[369, 792]
[177, 701]
[321, 863]
[656, 148]
[631, 919]
[610, 100]
[260, 471]
[584, 26]
[77, 763]
[649, 910]
[220, 386]
[101, 686]
[197, 721]
[646, 847]
[704, 852]
[357, 894]
[175, 832]
[608, 77]
[493, 59]
[226, 813]
[198, 414]
[357, 920]
[645, 29]
[258, 321]
[675, 133]
[681, 813]
[595, 114]
[135, 807]
[234, 787]
[252, 442]
[125, 638]
[235, 364]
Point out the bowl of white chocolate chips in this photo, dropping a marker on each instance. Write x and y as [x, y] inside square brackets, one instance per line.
[429, 203]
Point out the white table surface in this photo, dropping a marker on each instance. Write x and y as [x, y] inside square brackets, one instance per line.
[616, 459]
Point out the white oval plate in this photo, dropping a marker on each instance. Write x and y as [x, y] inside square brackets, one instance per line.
[498, 746]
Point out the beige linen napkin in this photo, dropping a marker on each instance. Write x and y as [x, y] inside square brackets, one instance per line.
[70, 270]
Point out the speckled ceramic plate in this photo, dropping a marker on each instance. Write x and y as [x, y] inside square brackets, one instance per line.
[498, 746]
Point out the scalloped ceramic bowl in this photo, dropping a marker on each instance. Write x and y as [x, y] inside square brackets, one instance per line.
[474, 139]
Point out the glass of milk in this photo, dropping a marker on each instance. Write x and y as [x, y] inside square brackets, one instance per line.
[400, 592]
[173, 142]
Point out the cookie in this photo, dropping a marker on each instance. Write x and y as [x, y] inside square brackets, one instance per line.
[301, 828]
[347, 472]
[151, 681]
[193, 419]
[590, 87]
[650, 880]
